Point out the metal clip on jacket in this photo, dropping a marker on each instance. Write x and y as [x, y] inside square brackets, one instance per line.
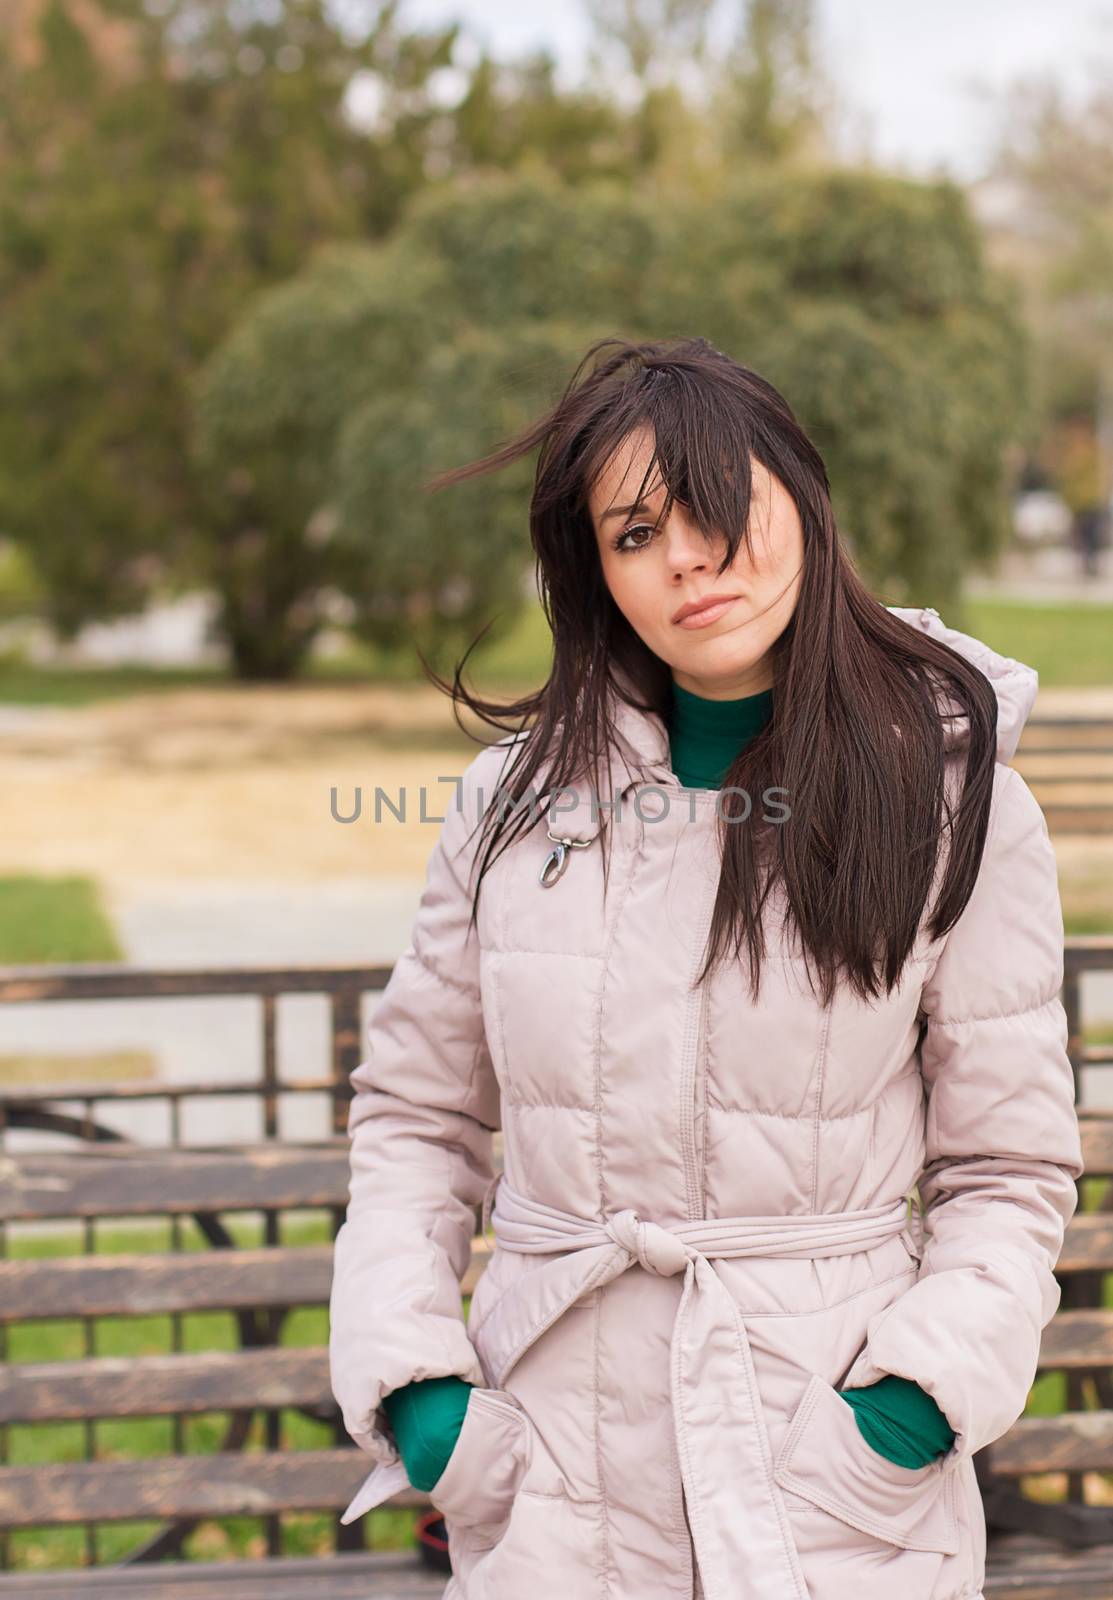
[557, 859]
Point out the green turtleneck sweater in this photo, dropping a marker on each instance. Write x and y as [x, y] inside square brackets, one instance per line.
[706, 735]
[895, 1416]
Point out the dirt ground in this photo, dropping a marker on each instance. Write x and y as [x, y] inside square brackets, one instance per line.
[228, 783]
[235, 783]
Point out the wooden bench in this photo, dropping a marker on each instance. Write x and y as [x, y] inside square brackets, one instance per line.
[259, 1285]
[1036, 1551]
[1056, 757]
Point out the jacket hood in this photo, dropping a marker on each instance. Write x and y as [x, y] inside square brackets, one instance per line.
[643, 737]
[1014, 683]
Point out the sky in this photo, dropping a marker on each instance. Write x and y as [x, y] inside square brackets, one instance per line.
[921, 83]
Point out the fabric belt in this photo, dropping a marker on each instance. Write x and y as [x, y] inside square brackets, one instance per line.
[745, 1546]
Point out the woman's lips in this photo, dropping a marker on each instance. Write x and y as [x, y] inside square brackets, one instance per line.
[709, 614]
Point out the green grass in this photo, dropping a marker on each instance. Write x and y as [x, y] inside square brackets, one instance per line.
[1067, 644]
[228, 1538]
[23, 684]
[1083, 924]
[57, 919]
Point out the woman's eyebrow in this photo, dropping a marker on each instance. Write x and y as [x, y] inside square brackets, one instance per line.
[624, 511]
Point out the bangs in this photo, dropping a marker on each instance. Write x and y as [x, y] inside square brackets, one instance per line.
[702, 444]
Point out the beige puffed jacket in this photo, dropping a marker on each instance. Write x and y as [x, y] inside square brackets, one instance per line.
[707, 1219]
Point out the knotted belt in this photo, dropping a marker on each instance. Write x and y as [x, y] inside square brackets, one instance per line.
[745, 1547]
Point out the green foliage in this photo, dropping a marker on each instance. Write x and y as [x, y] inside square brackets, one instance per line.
[514, 249]
[864, 298]
[270, 403]
[316, 422]
[435, 570]
[20, 592]
[238, 328]
[867, 301]
[161, 165]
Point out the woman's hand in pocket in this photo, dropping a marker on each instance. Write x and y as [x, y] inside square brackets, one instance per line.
[900, 1421]
[426, 1417]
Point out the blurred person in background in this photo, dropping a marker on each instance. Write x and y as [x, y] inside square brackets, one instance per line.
[1090, 532]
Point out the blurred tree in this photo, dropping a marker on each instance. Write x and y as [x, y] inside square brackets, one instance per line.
[1053, 158]
[513, 115]
[160, 161]
[270, 403]
[436, 570]
[866, 299]
[190, 195]
[318, 419]
[651, 38]
[771, 100]
[700, 106]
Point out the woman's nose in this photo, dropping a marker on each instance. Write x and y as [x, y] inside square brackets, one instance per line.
[686, 548]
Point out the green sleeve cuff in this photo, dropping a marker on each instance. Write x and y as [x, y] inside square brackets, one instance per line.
[900, 1420]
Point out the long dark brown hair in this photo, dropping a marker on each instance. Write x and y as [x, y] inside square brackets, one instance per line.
[856, 734]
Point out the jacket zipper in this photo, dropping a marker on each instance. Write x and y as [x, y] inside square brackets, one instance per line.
[694, 1030]
[663, 776]
[693, 1048]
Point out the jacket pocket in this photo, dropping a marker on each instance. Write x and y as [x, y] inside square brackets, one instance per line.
[489, 1459]
[481, 1476]
[825, 1460]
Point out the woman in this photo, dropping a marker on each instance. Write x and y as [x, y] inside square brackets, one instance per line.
[732, 988]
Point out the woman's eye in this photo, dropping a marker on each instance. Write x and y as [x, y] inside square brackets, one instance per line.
[641, 527]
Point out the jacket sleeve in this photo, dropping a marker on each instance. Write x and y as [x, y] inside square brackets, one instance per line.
[421, 1121]
[1003, 1148]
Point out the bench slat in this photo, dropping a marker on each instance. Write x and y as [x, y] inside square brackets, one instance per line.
[141, 1284]
[1097, 1143]
[134, 1182]
[1076, 1441]
[218, 1485]
[1078, 1339]
[358, 1575]
[119, 1182]
[113, 1386]
[1046, 1572]
[146, 1283]
[141, 1182]
[1087, 1243]
[291, 1376]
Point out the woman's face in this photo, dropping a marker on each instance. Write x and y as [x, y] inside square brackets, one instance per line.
[653, 573]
